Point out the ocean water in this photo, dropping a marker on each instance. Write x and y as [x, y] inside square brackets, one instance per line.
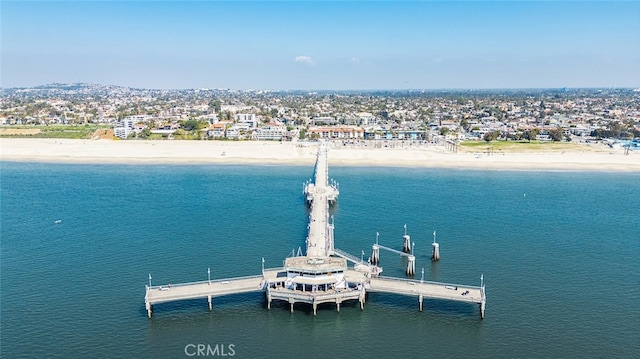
[560, 254]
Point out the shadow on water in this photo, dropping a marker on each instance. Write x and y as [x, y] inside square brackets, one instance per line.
[307, 309]
[252, 301]
[429, 305]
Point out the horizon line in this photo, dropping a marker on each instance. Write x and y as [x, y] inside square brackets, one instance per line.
[329, 90]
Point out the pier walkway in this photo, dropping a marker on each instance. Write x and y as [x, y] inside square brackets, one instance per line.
[430, 290]
[320, 194]
[322, 274]
[207, 289]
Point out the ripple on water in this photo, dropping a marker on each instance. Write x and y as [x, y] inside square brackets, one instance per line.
[560, 264]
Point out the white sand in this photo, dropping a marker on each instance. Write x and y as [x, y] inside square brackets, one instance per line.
[251, 152]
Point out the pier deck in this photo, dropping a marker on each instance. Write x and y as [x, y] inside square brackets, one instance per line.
[430, 290]
[207, 289]
[433, 290]
[319, 194]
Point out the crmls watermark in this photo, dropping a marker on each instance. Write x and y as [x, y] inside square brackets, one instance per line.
[208, 350]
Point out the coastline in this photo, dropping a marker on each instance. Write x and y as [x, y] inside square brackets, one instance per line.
[303, 153]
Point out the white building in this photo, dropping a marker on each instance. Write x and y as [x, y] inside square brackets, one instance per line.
[125, 127]
[271, 132]
[337, 132]
[247, 118]
[367, 118]
[239, 131]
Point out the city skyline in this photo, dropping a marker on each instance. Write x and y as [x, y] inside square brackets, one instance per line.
[361, 45]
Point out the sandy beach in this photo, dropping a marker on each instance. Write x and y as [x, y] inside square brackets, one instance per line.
[303, 153]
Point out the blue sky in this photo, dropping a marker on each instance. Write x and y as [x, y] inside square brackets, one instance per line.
[322, 45]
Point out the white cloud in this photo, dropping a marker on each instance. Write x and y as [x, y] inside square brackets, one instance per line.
[355, 60]
[305, 60]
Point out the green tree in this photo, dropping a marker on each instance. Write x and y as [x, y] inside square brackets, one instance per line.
[556, 134]
[491, 136]
[145, 133]
[617, 129]
[191, 125]
[215, 105]
[531, 134]
[464, 124]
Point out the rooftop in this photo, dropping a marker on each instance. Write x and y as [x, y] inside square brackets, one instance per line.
[313, 265]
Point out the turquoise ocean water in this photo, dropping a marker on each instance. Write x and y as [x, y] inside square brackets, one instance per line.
[560, 254]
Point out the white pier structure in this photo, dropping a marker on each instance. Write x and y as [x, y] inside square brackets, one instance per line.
[320, 194]
[411, 259]
[205, 289]
[322, 274]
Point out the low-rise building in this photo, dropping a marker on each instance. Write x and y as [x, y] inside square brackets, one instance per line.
[337, 132]
[271, 132]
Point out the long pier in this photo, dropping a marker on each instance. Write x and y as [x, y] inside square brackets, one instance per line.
[321, 275]
[320, 195]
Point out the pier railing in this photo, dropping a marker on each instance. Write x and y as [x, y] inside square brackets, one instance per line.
[288, 293]
[213, 281]
[430, 282]
[347, 256]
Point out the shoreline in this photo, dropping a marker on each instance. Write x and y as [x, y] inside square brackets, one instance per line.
[303, 153]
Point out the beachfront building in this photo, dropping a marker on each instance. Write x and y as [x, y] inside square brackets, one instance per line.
[238, 131]
[248, 119]
[336, 132]
[366, 118]
[129, 125]
[216, 130]
[271, 132]
[378, 133]
[323, 120]
[124, 129]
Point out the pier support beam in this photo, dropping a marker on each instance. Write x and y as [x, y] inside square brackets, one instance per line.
[291, 301]
[482, 305]
[420, 299]
[375, 255]
[406, 247]
[411, 266]
[149, 310]
[435, 253]
[338, 305]
[268, 301]
[315, 308]
[210, 304]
